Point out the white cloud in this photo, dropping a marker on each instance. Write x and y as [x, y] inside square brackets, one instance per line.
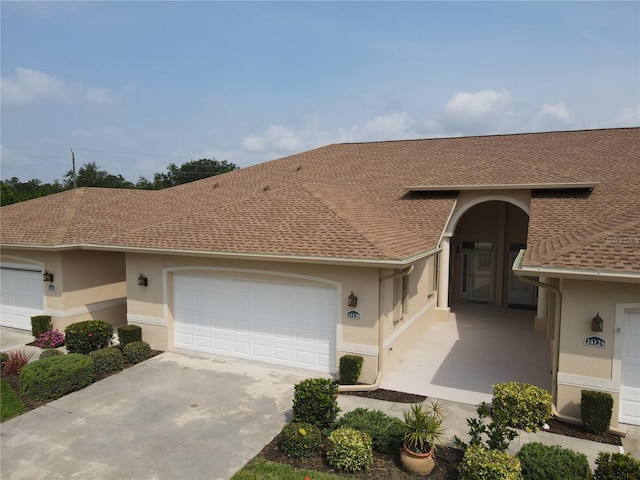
[276, 138]
[558, 111]
[486, 111]
[387, 126]
[29, 86]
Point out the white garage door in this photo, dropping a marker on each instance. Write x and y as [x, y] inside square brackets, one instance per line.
[21, 296]
[630, 378]
[270, 322]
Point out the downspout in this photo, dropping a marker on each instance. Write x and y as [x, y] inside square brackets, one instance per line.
[376, 383]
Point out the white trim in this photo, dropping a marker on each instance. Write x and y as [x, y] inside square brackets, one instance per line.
[146, 319]
[357, 349]
[27, 267]
[633, 277]
[388, 342]
[503, 186]
[580, 381]
[455, 218]
[94, 307]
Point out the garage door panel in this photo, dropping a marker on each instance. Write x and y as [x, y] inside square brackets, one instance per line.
[21, 295]
[259, 320]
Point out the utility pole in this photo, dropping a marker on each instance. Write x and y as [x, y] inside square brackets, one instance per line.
[73, 162]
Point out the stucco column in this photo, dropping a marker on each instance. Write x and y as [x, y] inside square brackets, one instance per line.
[443, 277]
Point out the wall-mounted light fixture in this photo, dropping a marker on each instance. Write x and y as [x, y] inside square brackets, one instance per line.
[597, 323]
[352, 301]
[142, 281]
[47, 276]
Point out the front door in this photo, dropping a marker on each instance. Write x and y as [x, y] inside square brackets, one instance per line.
[518, 292]
[481, 276]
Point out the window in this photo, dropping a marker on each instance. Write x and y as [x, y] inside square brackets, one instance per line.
[401, 295]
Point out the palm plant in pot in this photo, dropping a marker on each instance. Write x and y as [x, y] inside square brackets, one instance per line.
[423, 434]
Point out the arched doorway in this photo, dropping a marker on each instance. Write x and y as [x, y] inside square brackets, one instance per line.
[486, 239]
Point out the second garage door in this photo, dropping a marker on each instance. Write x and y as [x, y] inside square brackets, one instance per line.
[21, 296]
[282, 323]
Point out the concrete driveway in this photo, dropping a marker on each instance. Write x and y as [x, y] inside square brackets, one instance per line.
[179, 415]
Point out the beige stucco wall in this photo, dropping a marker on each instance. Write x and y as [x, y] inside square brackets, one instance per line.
[146, 305]
[583, 367]
[87, 285]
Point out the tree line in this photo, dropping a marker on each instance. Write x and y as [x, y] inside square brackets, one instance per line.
[91, 175]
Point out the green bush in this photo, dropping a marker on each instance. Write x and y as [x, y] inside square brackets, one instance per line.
[551, 462]
[50, 352]
[349, 449]
[300, 440]
[596, 409]
[315, 401]
[53, 377]
[87, 336]
[107, 360]
[129, 333]
[386, 432]
[136, 352]
[498, 434]
[4, 356]
[40, 324]
[616, 466]
[350, 368]
[481, 464]
[520, 405]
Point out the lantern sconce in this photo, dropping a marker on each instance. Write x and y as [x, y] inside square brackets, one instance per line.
[47, 276]
[352, 301]
[597, 323]
[142, 281]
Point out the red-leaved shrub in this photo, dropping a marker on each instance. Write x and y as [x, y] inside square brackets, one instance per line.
[17, 359]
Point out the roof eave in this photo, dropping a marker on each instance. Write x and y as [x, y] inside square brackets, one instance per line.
[311, 259]
[502, 186]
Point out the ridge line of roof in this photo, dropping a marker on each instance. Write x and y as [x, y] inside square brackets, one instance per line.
[489, 135]
[67, 218]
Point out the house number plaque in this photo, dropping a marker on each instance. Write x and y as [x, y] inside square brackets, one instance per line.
[353, 314]
[594, 341]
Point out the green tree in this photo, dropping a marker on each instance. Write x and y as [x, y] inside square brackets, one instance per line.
[90, 175]
[191, 171]
[13, 190]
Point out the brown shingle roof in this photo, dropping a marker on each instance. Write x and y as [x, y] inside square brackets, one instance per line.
[350, 200]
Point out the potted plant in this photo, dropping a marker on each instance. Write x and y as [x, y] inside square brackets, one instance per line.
[423, 433]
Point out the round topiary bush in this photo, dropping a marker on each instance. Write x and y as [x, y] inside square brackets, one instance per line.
[479, 463]
[386, 432]
[300, 440]
[50, 352]
[136, 352]
[521, 405]
[107, 360]
[53, 377]
[551, 462]
[349, 449]
[85, 337]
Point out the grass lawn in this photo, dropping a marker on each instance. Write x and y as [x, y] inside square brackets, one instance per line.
[261, 469]
[10, 403]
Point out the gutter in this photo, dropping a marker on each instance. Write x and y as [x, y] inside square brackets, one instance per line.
[376, 384]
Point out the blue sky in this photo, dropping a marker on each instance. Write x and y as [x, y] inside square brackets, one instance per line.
[134, 86]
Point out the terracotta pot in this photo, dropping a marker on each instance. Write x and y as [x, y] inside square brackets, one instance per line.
[418, 463]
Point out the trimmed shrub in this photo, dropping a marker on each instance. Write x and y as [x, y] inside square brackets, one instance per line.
[349, 449]
[300, 440]
[50, 339]
[596, 409]
[129, 333]
[16, 361]
[616, 466]
[53, 377]
[350, 368]
[50, 352]
[87, 336]
[107, 360]
[520, 405]
[40, 324]
[136, 352]
[315, 401]
[551, 462]
[386, 432]
[481, 464]
[4, 356]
